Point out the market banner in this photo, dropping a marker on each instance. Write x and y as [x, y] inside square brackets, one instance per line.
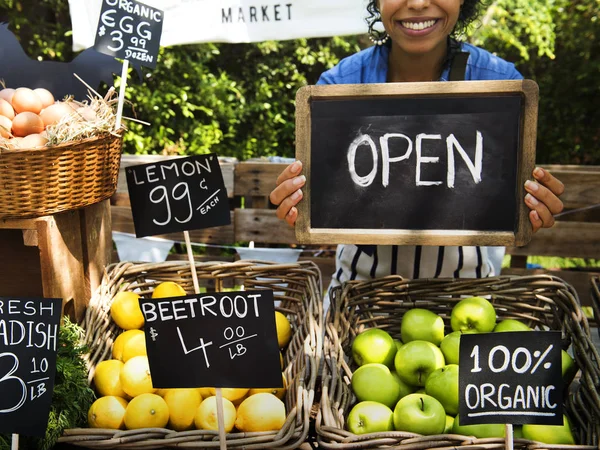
[232, 21]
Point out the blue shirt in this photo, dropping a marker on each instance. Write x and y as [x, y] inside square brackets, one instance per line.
[371, 66]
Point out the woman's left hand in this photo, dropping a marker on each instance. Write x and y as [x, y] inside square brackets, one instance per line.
[542, 198]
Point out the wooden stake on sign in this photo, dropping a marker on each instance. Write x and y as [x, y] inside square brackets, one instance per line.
[219, 395]
[122, 94]
[15, 442]
[508, 440]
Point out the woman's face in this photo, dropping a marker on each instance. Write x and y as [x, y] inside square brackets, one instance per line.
[419, 26]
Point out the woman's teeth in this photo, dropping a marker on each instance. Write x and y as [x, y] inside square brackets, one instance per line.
[418, 25]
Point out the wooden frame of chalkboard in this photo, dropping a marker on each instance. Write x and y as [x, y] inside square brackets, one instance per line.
[477, 196]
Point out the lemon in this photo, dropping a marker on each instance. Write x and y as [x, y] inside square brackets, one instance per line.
[284, 329]
[107, 378]
[168, 289]
[125, 310]
[107, 412]
[277, 392]
[205, 392]
[260, 412]
[182, 404]
[121, 340]
[146, 411]
[231, 394]
[135, 376]
[281, 360]
[134, 346]
[206, 415]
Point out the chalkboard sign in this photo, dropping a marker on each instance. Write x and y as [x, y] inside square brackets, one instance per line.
[511, 377]
[218, 340]
[177, 195]
[129, 30]
[416, 163]
[28, 343]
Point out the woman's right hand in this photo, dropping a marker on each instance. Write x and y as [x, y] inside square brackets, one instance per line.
[288, 192]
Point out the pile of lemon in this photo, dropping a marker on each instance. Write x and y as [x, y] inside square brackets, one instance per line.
[127, 399]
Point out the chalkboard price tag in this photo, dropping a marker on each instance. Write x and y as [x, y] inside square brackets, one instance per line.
[28, 343]
[177, 195]
[129, 30]
[511, 377]
[213, 340]
[416, 163]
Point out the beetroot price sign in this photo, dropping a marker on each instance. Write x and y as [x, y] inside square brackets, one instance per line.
[28, 343]
[177, 195]
[213, 340]
[511, 377]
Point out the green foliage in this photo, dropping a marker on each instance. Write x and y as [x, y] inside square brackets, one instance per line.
[71, 397]
[238, 99]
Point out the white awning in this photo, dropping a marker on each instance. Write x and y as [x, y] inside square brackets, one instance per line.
[233, 21]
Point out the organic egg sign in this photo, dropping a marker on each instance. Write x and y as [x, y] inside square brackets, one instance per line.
[177, 195]
[130, 30]
[218, 339]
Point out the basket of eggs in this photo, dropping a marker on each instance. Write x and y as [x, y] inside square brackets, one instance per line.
[56, 156]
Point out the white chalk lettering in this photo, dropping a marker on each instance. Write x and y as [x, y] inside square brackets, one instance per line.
[507, 397]
[474, 166]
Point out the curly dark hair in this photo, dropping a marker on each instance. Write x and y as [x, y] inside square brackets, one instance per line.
[469, 11]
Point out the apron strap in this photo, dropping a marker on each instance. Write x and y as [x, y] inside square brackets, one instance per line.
[458, 67]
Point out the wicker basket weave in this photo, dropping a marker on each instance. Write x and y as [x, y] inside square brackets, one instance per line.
[543, 301]
[296, 286]
[39, 182]
[596, 300]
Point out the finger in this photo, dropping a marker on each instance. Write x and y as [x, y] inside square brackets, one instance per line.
[292, 216]
[287, 204]
[535, 220]
[547, 179]
[289, 172]
[545, 196]
[542, 211]
[286, 188]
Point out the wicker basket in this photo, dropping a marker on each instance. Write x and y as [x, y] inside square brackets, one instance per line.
[596, 300]
[540, 301]
[297, 287]
[39, 182]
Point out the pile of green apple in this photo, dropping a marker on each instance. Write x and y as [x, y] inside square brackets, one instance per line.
[412, 384]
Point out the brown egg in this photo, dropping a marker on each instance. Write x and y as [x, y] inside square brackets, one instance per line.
[55, 112]
[87, 113]
[33, 141]
[45, 96]
[5, 127]
[7, 94]
[25, 100]
[6, 109]
[27, 123]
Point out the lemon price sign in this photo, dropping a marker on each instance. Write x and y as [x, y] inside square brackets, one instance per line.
[226, 339]
[177, 195]
[28, 343]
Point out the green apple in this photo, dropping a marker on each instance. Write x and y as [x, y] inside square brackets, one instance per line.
[473, 313]
[374, 346]
[370, 417]
[398, 343]
[405, 388]
[420, 324]
[375, 382]
[449, 424]
[450, 345]
[419, 413]
[517, 432]
[511, 325]
[550, 434]
[488, 430]
[416, 360]
[568, 367]
[442, 384]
